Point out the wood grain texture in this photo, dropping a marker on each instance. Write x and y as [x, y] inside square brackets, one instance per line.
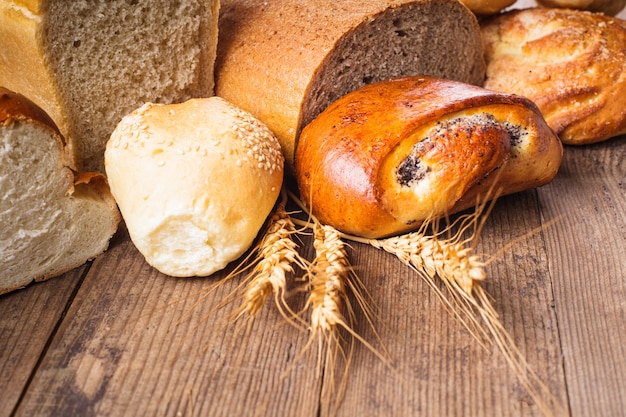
[135, 342]
[28, 318]
[440, 368]
[587, 252]
[126, 340]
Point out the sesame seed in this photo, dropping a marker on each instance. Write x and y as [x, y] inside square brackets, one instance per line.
[260, 142]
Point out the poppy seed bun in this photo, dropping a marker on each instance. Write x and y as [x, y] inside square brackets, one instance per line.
[194, 181]
[390, 155]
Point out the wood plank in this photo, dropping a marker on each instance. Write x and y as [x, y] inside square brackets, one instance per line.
[587, 252]
[28, 318]
[440, 370]
[136, 342]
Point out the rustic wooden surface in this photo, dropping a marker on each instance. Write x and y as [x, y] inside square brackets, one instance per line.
[117, 338]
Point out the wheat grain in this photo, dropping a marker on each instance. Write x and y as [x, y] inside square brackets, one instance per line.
[326, 276]
[276, 256]
[327, 279]
[451, 261]
[449, 256]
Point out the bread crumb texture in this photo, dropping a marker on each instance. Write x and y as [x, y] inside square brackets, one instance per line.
[53, 219]
[195, 182]
[89, 63]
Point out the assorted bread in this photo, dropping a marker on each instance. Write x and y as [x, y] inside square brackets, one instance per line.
[386, 114]
[194, 181]
[572, 64]
[284, 61]
[54, 218]
[88, 64]
[382, 159]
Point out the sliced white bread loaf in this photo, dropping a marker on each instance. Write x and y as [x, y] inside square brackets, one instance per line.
[87, 64]
[53, 219]
[284, 61]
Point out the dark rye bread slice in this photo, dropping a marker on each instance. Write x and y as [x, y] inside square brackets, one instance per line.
[285, 61]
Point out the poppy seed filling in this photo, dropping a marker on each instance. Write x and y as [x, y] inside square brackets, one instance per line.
[412, 170]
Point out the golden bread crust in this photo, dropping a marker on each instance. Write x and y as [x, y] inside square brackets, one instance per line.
[486, 7]
[608, 7]
[275, 57]
[572, 64]
[195, 181]
[15, 106]
[384, 158]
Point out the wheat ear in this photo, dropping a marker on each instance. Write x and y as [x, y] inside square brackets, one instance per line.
[448, 256]
[276, 255]
[327, 299]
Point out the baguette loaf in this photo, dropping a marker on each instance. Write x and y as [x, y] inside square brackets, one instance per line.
[390, 155]
[572, 64]
[194, 181]
[284, 61]
[89, 63]
[54, 219]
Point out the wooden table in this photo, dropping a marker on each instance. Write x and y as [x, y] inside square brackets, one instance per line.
[117, 338]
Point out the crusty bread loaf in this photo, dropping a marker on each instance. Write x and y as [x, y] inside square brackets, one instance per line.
[384, 158]
[572, 64]
[89, 63]
[53, 218]
[194, 181]
[487, 7]
[284, 61]
[608, 7]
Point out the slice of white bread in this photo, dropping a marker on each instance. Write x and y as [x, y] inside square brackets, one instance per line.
[284, 61]
[53, 219]
[87, 64]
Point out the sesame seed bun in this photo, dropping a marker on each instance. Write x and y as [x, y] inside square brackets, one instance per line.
[194, 181]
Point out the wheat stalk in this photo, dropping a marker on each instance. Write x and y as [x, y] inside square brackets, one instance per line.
[448, 256]
[277, 253]
[327, 277]
[327, 274]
